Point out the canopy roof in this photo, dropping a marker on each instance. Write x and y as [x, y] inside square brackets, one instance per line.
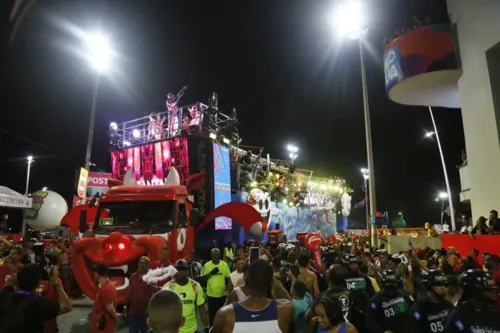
[10, 198]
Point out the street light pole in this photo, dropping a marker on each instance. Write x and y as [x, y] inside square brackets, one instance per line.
[90, 138]
[369, 149]
[26, 192]
[30, 160]
[448, 189]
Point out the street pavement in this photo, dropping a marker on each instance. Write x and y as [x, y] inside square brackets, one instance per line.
[77, 321]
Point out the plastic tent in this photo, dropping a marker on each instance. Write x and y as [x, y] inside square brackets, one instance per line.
[12, 199]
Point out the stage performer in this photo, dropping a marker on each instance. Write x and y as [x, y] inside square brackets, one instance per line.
[155, 128]
[173, 112]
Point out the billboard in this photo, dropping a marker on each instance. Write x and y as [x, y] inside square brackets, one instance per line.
[222, 183]
[97, 184]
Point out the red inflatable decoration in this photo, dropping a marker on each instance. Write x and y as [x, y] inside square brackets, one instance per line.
[241, 212]
[313, 244]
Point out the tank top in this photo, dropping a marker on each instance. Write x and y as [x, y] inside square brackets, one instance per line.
[250, 321]
[241, 295]
[342, 329]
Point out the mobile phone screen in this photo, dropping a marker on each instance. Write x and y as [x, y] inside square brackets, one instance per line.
[254, 253]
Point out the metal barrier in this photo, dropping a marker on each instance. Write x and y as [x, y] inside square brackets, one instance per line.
[163, 125]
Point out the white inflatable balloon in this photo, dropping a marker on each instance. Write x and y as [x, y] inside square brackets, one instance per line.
[346, 204]
[47, 210]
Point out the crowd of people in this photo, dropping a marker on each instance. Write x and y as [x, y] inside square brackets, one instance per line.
[356, 288]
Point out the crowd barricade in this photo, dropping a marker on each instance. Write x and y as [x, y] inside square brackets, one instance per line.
[466, 243]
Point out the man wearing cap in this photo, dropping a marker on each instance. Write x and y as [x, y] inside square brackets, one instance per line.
[103, 313]
[191, 294]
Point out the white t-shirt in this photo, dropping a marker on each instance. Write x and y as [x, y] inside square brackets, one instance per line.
[465, 229]
[236, 279]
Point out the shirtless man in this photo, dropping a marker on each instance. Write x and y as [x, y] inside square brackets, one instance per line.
[257, 313]
[306, 276]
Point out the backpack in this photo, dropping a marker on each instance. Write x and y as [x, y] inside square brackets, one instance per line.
[12, 317]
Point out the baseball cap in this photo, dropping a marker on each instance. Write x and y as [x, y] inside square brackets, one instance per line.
[181, 264]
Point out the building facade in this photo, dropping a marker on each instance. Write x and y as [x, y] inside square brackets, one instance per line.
[477, 25]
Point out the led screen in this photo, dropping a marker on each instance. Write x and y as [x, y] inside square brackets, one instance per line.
[222, 183]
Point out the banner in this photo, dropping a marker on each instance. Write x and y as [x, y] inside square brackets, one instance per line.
[14, 202]
[81, 190]
[465, 243]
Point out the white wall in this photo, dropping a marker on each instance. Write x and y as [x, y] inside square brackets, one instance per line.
[478, 24]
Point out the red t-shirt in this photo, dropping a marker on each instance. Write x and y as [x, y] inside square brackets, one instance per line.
[161, 264]
[479, 263]
[106, 295]
[6, 272]
[141, 293]
[48, 292]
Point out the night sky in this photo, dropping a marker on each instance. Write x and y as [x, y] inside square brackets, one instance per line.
[278, 63]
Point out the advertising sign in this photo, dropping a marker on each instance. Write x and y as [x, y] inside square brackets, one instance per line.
[222, 183]
[98, 179]
[392, 67]
[81, 189]
[97, 184]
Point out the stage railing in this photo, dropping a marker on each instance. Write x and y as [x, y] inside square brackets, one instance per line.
[165, 125]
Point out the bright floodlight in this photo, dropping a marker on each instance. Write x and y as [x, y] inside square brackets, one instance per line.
[30, 159]
[99, 52]
[429, 134]
[113, 126]
[348, 19]
[292, 148]
[136, 133]
[443, 195]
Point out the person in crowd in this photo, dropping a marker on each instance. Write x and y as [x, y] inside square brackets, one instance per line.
[454, 260]
[481, 228]
[466, 227]
[336, 289]
[328, 316]
[388, 309]
[162, 263]
[192, 298]
[354, 280]
[216, 273]
[12, 264]
[165, 301]
[302, 300]
[276, 262]
[475, 311]
[228, 255]
[494, 222]
[453, 290]
[305, 275]
[367, 260]
[492, 266]
[236, 277]
[240, 293]
[257, 313]
[476, 258]
[264, 252]
[429, 313]
[23, 310]
[104, 315]
[363, 270]
[47, 291]
[138, 298]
